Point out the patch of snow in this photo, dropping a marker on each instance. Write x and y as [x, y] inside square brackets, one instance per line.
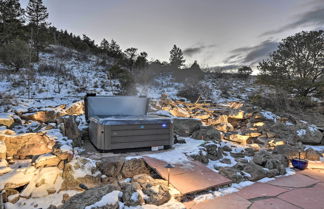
[134, 196]
[289, 123]
[269, 115]
[290, 171]
[83, 166]
[242, 184]
[44, 202]
[179, 152]
[319, 148]
[312, 128]
[108, 199]
[266, 179]
[163, 113]
[301, 132]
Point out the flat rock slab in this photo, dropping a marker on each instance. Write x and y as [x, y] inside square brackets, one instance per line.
[231, 201]
[294, 181]
[307, 198]
[272, 203]
[260, 190]
[315, 174]
[189, 177]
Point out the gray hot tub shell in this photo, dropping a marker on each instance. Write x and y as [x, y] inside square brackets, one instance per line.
[121, 122]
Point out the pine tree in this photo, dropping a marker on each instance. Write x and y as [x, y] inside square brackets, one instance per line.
[114, 49]
[11, 20]
[176, 57]
[37, 15]
[195, 66]
[131, 56]
[104, 45]
[141, 61]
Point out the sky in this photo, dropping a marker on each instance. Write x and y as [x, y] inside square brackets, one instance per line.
[213, 32]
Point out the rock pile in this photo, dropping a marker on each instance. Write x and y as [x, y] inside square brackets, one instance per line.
[238, 122]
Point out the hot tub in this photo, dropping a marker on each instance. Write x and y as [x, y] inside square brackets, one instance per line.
[121, 122]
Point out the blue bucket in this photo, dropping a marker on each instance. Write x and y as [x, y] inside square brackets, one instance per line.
[299, 164]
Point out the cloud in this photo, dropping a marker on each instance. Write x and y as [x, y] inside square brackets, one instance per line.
[314, 17]
[251, 55]
[189, 52]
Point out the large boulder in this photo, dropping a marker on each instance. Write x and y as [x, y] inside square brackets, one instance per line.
[43, 183]
[134, 167]
[207, 133]
[289, 151]
[214, 152]
[256, 172]
[18, 177]
[26, 145]
[201, 156]
[186, 126]
[71, 129]
[69, 182]
[271, 161]
[44, 116]
[132, 194]
[242, 139]
[232, 173]
[312, 154]
[92, 196]
[178, 112]
[6, 120]
[236, 114]
[3, 150]
[110, 168]
[156, 191]
[46, 160]
[76, 108]
[309, 135]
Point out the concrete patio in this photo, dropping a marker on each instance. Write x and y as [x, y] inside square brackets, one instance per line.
[304, 190]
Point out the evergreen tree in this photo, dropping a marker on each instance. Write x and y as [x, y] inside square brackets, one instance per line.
[195, 66]
[11, 20]
[104, 45]
[114, 49]
[297, 65]
[176, 57]
[131, 56]
[141, 61]
[37, 15]
[245, 71]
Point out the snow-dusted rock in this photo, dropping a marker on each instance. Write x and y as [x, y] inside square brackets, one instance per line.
[309, 134]
[18, 177]
[47, 160]
[271, 161]
[242, 139]
[7, 132]
[42, 116]
[207, 133]
[134, 167]
[76, 108]
[29, 144]
[90, 197]
[43, 181]
[157, 192]
[132, 194]
[186, 126]
[6, 119]
[3, 150]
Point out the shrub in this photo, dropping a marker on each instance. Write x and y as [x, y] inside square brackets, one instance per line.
[15, 54]
[125, 78]
[194, 91]
[281, 102]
